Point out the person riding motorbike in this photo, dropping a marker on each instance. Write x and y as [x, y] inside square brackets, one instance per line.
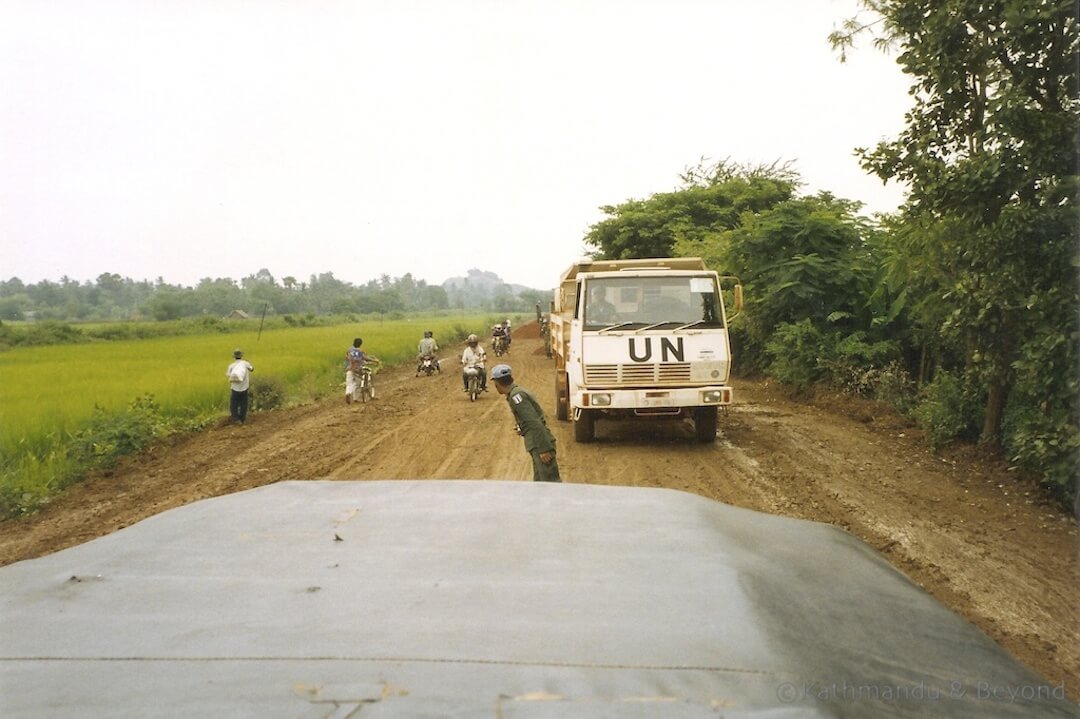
[498, 334]
[427, 348]
[474, 356]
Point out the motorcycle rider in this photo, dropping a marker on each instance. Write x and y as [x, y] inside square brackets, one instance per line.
[474, 356]
[498, 332]
[427, 348]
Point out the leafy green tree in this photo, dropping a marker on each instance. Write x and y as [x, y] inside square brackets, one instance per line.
[804, 259]
[433, 297]
[13, 286]
[713, 198]
[170, 303]
[989, 152]
[219, 296]
[13, 307]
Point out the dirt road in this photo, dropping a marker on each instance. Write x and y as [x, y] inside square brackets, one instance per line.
[967, 531]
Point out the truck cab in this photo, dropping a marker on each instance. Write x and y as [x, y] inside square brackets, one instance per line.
[643, 339]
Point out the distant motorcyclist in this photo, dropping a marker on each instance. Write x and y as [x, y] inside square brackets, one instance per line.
[498, 337]
[474, 356]
[427, 348]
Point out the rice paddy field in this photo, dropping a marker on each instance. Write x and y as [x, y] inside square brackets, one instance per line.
[49, 394]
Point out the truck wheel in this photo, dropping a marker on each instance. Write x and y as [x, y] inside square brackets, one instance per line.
[705, 424]
[585, 427]
[562, 401]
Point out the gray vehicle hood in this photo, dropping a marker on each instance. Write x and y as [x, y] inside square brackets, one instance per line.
[489, 599]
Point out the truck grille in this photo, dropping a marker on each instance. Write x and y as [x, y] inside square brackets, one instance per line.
[634, 375]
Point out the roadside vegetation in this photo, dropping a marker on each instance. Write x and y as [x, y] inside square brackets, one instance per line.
[81, 402]
[960, 309]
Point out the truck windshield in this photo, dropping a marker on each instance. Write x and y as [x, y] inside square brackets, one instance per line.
[666, 302]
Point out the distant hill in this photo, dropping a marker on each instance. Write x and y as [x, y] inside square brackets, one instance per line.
[480, 288]
[483, 281]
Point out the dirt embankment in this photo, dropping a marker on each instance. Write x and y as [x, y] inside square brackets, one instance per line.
[967, 531]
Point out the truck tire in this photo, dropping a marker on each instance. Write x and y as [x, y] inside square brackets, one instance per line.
[562, 399]
[705, 424]
[585, 426]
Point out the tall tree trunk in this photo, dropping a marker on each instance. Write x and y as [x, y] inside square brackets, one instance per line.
[995, 406]
[924, 365]
[1000, 380]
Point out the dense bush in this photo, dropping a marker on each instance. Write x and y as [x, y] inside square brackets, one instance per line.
[943, 410]
[112, 435]
[1042, 439]
[893, 384]
[854, 363]
[41, 333]
[795, 351]
[266, 393]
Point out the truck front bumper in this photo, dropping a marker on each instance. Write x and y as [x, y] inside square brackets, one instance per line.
[652, 400]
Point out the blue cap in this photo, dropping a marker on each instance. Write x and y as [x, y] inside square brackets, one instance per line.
[500, 370]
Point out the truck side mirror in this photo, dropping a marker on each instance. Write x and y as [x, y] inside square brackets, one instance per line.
[738, 299]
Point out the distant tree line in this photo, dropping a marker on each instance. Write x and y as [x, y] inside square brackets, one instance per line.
[962, 308]
[114, 298]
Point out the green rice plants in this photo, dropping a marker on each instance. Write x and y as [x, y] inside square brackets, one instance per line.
[70, 407]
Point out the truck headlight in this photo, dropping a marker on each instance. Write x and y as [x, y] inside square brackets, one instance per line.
[712, 396]
[601, 399]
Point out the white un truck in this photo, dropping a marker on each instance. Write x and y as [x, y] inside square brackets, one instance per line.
[641, 338]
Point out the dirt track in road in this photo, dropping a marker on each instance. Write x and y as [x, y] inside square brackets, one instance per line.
[967, 531]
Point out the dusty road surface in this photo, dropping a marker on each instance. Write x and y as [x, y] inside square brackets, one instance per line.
[968, 532]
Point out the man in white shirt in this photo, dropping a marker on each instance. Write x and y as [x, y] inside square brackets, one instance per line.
[474, 356]
[239, 376]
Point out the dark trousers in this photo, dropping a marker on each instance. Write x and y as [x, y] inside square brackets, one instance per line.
[544, 472]
[238, 405]
[483, 378]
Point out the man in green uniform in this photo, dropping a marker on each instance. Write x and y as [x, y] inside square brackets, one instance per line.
[539, 442]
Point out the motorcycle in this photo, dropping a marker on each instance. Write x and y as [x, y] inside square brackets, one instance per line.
[498, 343]
[427, 366]
[473, 383]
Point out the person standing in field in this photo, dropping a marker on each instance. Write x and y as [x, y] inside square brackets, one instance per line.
[239, 376]
[529, 417]
[355, 363]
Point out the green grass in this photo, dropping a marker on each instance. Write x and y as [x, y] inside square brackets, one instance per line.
[54, 398]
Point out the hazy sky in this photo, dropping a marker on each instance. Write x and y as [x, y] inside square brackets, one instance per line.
[193, 138]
